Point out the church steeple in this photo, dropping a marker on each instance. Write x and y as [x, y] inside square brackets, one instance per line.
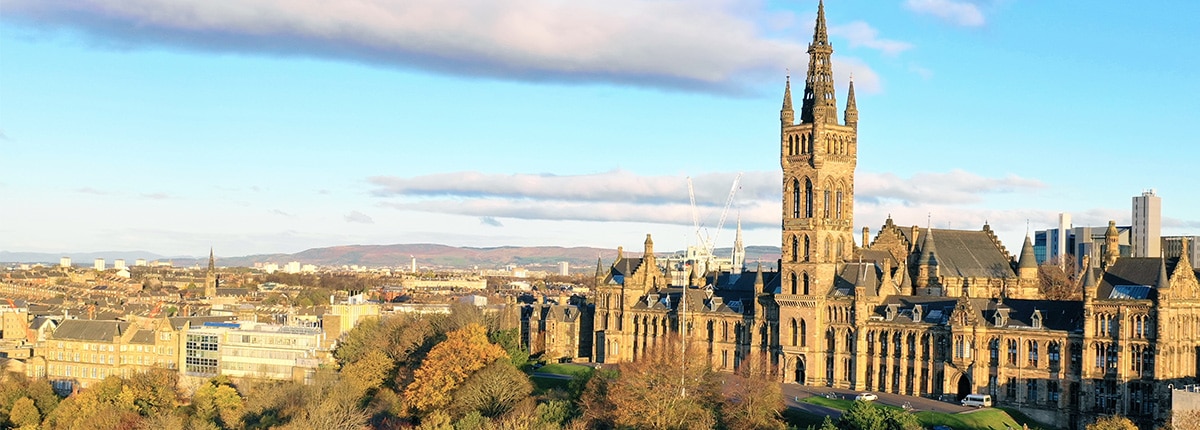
[212, 260]
[820, 104]
[739, 250]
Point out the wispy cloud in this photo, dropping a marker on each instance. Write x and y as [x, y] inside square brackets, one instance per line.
[90, 190]
[953, 11]
[859, 33]
[954, 187]
[490, 221]
[703, 44]
[359, 217]
[621, 196]
[4, 136]
[281, 213]
[156, 196]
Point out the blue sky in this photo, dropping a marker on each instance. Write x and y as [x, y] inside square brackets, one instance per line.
[259, 126]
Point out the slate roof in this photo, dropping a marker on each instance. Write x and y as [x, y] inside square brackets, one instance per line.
[93, 330]
[621, 268]
[145, 337]
[966, 253]
[854, 274]
[1056, 315]
[1131, 271]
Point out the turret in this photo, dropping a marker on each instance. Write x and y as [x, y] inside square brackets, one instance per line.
[1027, 267]
[866, 237]
[648, 254]
[851, 107]
[1112, 248]
[758, 279]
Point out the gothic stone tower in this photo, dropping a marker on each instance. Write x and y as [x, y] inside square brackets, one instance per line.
[818, 156]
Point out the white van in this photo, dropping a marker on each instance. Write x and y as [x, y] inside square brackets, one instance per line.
[977, 400]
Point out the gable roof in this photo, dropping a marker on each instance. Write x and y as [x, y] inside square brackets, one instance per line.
[92, 330]
[1130, 271]
[966, 253]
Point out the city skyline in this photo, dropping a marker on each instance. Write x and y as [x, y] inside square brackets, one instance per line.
[261, 130]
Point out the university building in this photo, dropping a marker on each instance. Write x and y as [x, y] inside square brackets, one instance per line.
[914, 310]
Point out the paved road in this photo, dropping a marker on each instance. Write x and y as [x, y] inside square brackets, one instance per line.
[794, 392]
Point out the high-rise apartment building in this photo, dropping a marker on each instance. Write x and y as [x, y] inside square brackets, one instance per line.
[1147, 225]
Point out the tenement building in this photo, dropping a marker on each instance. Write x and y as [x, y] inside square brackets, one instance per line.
[914, 310]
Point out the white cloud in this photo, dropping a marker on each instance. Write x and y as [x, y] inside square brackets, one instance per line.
[707, 44]
[359, 217]
[859, 33]
[952, 11]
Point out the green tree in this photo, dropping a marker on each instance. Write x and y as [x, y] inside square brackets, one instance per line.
[510, 340]
[492, 390]
[895, 419]
[861, 416]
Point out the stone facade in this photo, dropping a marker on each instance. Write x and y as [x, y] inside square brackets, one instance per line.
[917, 311]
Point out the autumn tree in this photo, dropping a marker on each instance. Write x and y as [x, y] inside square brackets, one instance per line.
[448, 364]
[1112, 422]
[753, 397]
[1183, 420]
[24, 415]
[218, 402]
[1058, 279]
[660, 390]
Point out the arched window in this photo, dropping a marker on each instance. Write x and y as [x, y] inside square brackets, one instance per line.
[807, 250]
[795, 248]
[796, 198]
[806, 284]
[825, 208]
[803, 333]
[808, 198]
[795, 333]
[839, 204]
[793, 283]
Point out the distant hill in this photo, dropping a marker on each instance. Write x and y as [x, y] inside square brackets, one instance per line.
[78, 258]
[400, 255]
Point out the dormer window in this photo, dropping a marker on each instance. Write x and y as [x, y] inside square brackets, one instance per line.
[917, 313]
[1037, 318]
[1001, 317]
[891, 312]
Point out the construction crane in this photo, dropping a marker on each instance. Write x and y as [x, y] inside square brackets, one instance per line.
[707, 243]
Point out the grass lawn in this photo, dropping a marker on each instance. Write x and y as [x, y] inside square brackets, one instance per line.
[565, 369]
[839, 404]
[984, 419]
[542, 385]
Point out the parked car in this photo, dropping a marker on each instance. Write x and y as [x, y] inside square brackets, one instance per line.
[866, 397]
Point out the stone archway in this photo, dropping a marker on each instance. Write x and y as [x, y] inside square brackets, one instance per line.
[964, 386]
[799, 376]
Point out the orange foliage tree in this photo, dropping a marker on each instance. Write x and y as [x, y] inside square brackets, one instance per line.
[448, 364]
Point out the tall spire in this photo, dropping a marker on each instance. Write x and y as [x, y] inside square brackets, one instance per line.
[212, 261]
[820, 104]
[739, 249]
[820, 35]
[851, 106]
[787, 115]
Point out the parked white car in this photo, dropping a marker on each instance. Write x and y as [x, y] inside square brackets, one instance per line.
[866, 397]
